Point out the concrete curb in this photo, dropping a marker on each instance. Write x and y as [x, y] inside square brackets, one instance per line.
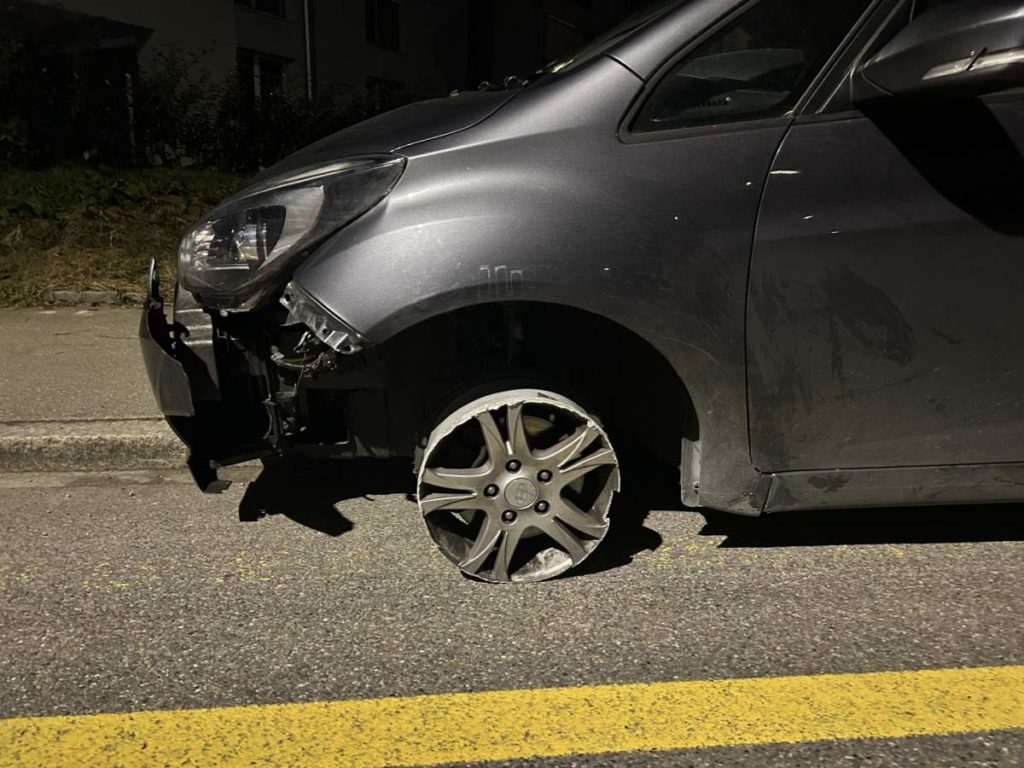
[94, 299]
[86, 446]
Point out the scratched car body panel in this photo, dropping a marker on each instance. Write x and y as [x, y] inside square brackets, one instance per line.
[776, 247]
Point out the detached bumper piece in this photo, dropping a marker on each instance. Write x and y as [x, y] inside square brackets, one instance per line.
[166, 375]
[217, 433]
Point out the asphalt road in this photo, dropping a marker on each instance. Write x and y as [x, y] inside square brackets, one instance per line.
[137, 593]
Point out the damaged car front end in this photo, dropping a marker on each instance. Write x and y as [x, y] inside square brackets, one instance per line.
[435, 284]
[227, 369]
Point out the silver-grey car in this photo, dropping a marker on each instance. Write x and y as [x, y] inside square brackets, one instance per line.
[778, 244]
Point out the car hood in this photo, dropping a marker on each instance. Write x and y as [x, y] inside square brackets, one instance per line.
[399, 128]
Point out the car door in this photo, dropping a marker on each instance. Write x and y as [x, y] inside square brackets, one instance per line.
[885, 316]
[698, 146]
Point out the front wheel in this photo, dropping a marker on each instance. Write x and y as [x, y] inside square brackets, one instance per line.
[516, 486]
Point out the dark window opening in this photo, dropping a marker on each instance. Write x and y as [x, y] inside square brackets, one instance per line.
[382, 23]
[261, 76]
[756, 67]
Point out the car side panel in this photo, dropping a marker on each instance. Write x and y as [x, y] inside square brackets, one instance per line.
[886, 322]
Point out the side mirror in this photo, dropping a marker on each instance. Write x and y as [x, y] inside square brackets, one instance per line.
[962, 48]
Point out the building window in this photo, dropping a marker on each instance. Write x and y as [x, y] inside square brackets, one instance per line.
[262, 76]
[382, 23]
[275, 7]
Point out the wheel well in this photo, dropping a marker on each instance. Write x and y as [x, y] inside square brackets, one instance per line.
[610, 370]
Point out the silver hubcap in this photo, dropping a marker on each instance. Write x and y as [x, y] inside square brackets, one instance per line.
[516, 486]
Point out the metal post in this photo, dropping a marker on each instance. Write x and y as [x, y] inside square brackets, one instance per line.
[309, 53]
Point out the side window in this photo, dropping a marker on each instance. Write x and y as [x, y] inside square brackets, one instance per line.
[757, 66]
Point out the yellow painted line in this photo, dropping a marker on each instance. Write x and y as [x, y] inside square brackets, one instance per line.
[504, 725]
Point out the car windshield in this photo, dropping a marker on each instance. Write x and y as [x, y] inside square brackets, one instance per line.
[619, 32]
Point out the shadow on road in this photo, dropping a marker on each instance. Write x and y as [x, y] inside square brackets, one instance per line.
[307, 494]
[650, 486]
[905, 525]
[628, 537]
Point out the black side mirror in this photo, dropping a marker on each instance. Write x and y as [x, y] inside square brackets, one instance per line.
[962, 48]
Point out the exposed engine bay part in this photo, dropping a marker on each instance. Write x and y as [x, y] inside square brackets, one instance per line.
[303, 308]
[308, 355]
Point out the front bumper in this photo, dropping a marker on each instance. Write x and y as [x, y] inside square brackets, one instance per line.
[167, 375]
[181, 385]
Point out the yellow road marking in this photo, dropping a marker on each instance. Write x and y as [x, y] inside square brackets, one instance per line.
[503, 725]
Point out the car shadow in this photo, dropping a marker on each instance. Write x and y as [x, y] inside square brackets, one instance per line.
[307, 493]
[657, 488]
[627, 537]
[901, 525]
[650, 487]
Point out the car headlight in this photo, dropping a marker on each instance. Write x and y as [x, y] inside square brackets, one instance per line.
[233, 258]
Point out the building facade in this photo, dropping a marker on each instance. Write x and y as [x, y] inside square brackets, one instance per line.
[383, 52]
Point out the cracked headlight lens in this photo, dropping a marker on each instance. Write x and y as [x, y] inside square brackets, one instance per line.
[234, 257]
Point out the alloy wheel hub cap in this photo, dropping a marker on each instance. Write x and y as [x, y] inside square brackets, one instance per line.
[521, 493]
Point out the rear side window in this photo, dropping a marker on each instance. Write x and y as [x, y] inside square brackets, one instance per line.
[757, 66]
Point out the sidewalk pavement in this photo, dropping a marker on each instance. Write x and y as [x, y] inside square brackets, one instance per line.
[74, 395]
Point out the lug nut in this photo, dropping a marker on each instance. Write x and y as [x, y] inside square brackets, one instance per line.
[542, 507]
[514, 466]
[545, 476]
[509, 516]
[491, 491]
